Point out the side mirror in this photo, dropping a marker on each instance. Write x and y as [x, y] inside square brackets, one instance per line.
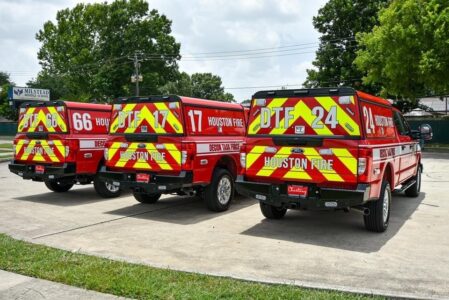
[426, 132]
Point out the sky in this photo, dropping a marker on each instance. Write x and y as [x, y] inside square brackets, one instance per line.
[251, 44]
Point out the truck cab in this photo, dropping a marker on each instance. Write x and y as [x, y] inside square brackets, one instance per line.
[328, 149]
[174, 144]
[61, 144]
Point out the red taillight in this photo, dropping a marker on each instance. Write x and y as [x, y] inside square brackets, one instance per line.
[243, 158]
[363, 164]
[188, 152]
[71, 149]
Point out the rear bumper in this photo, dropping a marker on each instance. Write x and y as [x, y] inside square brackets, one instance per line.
[51, 172]
[158, 183]
[318, 199]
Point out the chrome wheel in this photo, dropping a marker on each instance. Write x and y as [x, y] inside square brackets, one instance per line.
[224, 190]
[110, 187]
[386, 205]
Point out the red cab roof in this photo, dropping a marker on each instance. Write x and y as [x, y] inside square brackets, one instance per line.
[82, 105]
[210, 103]
[373, 98]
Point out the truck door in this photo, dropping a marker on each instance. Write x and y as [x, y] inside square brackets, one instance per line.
[407, 148]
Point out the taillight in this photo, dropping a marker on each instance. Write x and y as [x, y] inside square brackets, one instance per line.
[363, 164]
[188, 151]
[71, 148]
[243, 155]
[106, 154]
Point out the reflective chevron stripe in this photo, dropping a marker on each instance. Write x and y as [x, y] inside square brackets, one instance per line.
[40, 150]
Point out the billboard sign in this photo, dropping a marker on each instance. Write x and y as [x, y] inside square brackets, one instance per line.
[25, 93]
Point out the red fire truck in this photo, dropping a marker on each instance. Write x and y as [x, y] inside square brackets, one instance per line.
[61, 143]
[327, 149]
[173, 144]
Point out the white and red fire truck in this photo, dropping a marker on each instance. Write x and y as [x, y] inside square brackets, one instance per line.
[327, 149]
[61, 143]
[173, 144]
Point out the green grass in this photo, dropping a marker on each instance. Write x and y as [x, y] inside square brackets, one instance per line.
[7, 146]
[139, 281]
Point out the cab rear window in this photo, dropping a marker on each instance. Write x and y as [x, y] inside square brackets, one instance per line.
[51, 119]
[152, 118]
[305, 116]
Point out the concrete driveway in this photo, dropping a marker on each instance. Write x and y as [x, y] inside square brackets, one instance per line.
[315, 249]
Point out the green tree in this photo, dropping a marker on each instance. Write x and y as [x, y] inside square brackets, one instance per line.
[407, 53]
[5, 109]
[56, 85]
[199, 85]
[339, 21]
[89, 48]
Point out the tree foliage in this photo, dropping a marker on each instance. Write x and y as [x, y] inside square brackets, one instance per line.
[339, 21]
[408, 52]
[199, 85]
[87, 49]
[5, 109]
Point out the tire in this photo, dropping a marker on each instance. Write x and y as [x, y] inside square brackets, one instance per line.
[379, 216]
[220, 192]
[146, 198]
[415, 189]
[57, 186]
[272, 212]
[106, 189]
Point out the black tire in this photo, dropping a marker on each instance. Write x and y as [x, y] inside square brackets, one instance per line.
[220, 192]
[415, 189]
[146, 198]
[57, 186]
[272, 212]
[106, 189]
[378, 218]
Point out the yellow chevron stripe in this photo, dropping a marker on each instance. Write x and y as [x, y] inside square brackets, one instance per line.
[293, 174]
[346, 158]
[26, 117]
[162, 163]
[255, 124]
[115, 122]
[253, 155]
[145, 114]
[267, 171]
[343, 118]
[330, 175]
[171, 118]
[60, 121]
[174, 152]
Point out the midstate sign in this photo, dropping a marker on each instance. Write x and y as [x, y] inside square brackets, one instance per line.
[24, 93]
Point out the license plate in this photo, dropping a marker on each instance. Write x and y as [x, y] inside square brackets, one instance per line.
[297, 190]
[142, 177]
[39, 169]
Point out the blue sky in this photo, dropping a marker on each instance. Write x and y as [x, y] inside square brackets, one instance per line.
[201, 26]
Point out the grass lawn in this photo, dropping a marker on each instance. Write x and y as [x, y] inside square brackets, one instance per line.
[139, 281]
[5, 146]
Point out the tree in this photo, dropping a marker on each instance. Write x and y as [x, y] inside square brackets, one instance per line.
[407, 52]
[89, 48]
[5, 109]
[339, 21]
[199, 85]
[56, 85]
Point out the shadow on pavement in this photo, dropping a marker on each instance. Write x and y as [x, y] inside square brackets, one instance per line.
[336, 229]
[181, 210]
[80, 196]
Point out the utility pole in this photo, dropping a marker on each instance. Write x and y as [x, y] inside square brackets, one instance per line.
[137, 77]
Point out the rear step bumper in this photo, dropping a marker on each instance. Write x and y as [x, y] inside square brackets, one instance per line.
[318, 199]
[51, 172]
[158, 183]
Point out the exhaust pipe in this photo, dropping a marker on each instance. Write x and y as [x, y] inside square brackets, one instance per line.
[189, 192]
[363, 210]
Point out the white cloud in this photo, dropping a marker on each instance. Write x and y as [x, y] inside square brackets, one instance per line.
[200, 26]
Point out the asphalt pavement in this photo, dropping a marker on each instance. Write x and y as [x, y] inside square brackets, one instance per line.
[314, 249]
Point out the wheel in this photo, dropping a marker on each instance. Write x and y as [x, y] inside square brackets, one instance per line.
[146, 198]
[379, 216]
[58, 186]
[272, 212]
[415, 189]
[106, 189]
[219, 193]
